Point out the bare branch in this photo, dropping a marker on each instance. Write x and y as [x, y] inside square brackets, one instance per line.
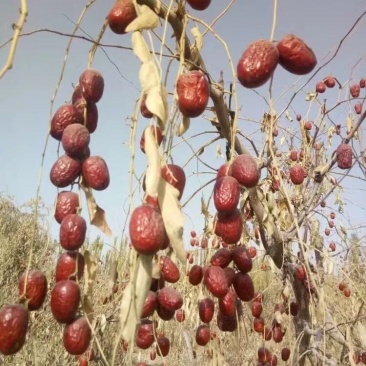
[17, 30]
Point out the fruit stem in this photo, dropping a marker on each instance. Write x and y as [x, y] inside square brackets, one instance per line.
[274, 21]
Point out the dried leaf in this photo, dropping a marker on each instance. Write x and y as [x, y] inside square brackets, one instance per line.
[96, 213]
[361, 330]
[278, 316]
[330, 134]
[156, 268]
[153, 172]
[147, 19]
[103, 323]
[349, 124]
[204, 209]
[330, 267]
[149, 77]
[91, 265]
[268, 223]
[310, 96]
[88, 309]
[156, 103]
[172, 217]
[288, 116]
[198, 40]
[183, 126]
[140, 47]
[219, 151]
[134, 297]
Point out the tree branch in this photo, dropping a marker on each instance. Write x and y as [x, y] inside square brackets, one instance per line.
[17, 30]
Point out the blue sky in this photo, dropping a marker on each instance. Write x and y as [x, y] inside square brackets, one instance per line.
[26, 91]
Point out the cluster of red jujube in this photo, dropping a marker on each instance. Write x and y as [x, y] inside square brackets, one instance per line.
[72, 124]
[14, 318]
[260, 59]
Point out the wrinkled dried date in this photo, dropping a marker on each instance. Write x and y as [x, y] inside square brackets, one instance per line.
[193, 93]
[215, 281]
[257, 63]
[33, 287]
[77, 336]
[72, 232]
[226, 194]
[295, 55]
[121, 15]
[229, 226]
[65, 115]
[95, 173]
[67, 203]
[14, 321]
[147, 231]
[64, 171]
